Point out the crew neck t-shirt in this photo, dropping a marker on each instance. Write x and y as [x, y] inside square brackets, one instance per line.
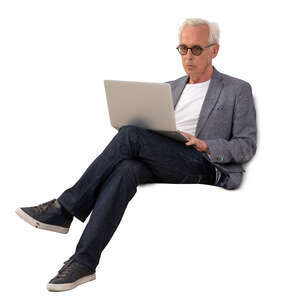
[189, 106]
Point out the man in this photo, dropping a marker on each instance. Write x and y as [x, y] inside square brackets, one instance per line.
[215, 111]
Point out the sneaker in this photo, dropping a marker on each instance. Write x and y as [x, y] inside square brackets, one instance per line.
[70, 275]
[49, 216]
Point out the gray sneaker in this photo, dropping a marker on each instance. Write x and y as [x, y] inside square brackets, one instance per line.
[70, 275]
[49, 216]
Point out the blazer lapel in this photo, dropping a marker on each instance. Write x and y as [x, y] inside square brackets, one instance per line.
[178, 89]
[214, 89]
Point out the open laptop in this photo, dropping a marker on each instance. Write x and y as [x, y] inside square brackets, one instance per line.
[143, 104]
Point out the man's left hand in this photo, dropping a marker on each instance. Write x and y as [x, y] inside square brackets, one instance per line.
[198, 144]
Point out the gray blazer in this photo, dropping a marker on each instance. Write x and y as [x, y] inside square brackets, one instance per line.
[227, 123]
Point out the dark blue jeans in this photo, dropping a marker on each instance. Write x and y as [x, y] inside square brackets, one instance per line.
[134, 156]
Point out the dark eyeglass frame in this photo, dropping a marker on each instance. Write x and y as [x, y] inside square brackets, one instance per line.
[193, 49]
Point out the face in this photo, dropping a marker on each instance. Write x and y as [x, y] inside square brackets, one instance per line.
[193, 65]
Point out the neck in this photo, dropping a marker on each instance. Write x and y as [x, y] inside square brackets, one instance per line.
[206, 75]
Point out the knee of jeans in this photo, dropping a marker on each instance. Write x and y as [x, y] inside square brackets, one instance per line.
[132, 128]
[126, 128]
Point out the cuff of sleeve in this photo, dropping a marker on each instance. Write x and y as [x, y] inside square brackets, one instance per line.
[215, 155]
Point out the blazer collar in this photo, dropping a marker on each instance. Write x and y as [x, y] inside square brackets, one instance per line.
[214, 89]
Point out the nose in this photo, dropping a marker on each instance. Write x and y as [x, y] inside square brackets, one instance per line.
[189, 54]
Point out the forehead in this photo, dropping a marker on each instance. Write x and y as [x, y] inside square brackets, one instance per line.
[194, 35]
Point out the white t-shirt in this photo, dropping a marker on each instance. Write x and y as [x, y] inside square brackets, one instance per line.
[188, 109]
[189, 106]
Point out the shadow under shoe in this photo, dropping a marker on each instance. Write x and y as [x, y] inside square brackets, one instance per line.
[50, 215]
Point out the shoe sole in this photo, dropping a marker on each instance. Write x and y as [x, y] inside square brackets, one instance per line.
[37, 224]
[60, 287]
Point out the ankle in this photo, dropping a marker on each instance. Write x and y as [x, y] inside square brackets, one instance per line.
[65, 211]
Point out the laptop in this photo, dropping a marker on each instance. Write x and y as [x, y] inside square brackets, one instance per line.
[144, 104]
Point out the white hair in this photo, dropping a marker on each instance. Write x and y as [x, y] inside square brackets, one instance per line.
[214, 31]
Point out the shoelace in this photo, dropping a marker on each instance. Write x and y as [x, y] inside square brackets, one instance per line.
[65, 269]
[42, 207]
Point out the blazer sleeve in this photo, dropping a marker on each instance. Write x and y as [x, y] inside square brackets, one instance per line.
[242, 146]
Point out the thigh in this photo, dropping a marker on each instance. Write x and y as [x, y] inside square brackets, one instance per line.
[169, 160]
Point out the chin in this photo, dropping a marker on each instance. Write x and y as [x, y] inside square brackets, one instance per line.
[188, 72]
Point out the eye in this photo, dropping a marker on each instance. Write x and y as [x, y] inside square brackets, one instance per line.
[197, 48]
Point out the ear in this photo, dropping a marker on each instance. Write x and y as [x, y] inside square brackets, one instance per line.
[215, 50]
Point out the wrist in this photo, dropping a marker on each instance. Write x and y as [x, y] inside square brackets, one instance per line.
[206, 149]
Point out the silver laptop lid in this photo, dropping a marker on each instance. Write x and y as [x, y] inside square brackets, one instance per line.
[144, 104]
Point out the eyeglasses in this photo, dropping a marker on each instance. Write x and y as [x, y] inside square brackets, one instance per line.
[196, 50]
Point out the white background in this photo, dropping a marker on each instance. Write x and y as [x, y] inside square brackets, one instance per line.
[174, 241]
